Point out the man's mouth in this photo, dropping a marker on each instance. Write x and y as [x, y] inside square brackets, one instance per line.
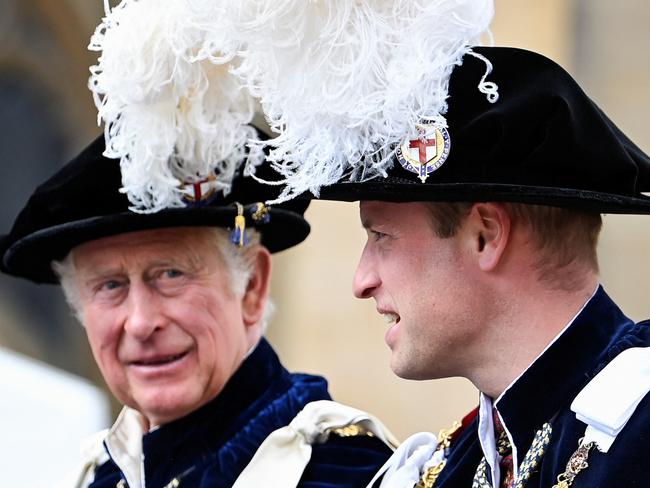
[390, 318]
[159, 360]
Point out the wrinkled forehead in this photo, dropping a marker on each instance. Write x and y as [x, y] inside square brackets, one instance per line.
[174, 244]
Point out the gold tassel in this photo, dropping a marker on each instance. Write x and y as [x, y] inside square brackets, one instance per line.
[238, 235]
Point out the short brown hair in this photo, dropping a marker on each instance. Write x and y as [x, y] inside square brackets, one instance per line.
[562, 236]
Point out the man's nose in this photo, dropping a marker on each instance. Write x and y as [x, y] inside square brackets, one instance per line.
[144, 315]
[366, 280]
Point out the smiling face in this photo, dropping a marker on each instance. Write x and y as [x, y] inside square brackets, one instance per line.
[164, 326]
[422, 285]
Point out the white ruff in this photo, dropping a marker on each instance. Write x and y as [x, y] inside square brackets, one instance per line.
[172, 110]
[343, 81]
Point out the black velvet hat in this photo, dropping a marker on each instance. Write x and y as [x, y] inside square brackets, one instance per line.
[542, 142]
[82, 202]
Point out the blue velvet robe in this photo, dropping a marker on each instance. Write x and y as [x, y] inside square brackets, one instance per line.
[211, 446]
[544, 394]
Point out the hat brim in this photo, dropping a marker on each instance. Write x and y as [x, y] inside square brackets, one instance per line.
[30, 257]
[392, 189]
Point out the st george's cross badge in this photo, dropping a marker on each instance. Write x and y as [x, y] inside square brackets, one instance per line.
[201, 191]
[428, 152]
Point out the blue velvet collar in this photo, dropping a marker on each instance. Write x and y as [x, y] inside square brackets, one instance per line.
[594, 338]
[545, 391]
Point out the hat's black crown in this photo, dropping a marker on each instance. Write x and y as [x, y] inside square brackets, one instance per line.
[543, 142]
[82, 202]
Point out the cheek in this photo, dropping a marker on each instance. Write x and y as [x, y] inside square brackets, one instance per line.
[103, 337]
[225, 332]
[221, 336]
[212, 322]
[415, 275]
[429, 286]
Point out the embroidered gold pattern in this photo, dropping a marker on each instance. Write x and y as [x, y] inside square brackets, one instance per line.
[430, 476]
[352, 430]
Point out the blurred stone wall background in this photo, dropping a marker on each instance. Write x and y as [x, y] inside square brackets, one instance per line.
[46, 116]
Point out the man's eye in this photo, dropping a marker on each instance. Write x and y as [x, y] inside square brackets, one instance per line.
[172, 273]
[108, 287]
[375, 235]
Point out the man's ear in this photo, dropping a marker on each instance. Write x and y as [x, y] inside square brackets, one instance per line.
[257, 288]
[489, 226]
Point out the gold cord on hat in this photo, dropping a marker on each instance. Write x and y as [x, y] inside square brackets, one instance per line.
[238, 235]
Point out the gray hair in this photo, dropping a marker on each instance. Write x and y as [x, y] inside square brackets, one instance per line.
[239, 263]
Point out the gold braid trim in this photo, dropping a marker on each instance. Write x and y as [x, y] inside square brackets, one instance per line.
[352, 430]
[430, 476]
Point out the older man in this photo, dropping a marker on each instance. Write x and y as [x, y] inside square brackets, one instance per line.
[175, 313]
[482, 174]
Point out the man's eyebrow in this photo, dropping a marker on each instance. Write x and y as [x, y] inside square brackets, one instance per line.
[100, 272]
[91, 278]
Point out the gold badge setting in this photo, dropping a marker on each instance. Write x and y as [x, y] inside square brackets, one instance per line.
[428, 152]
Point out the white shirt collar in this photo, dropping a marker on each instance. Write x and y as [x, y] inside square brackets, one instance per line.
[124, 444]
[486, 436]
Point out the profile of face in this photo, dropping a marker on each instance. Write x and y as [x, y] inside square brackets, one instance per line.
[422, 285]
[165, 327]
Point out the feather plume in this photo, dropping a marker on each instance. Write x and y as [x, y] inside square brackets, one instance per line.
[172, 109]
[344, 81]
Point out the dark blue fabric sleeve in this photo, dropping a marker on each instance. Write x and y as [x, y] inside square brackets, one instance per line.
[344, 462]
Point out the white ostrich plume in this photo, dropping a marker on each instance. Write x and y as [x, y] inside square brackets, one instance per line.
[344, 81]
[172, 110]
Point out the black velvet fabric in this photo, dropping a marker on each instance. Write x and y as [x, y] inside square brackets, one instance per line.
[210, 447]
[543, 142]
[544, 394]
[82, 202]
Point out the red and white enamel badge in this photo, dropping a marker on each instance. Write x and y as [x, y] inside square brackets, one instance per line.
[428, 152]
[200, 191]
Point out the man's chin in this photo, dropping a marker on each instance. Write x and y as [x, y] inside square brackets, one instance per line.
[408, 371]
[163, 407]
[401, 370]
